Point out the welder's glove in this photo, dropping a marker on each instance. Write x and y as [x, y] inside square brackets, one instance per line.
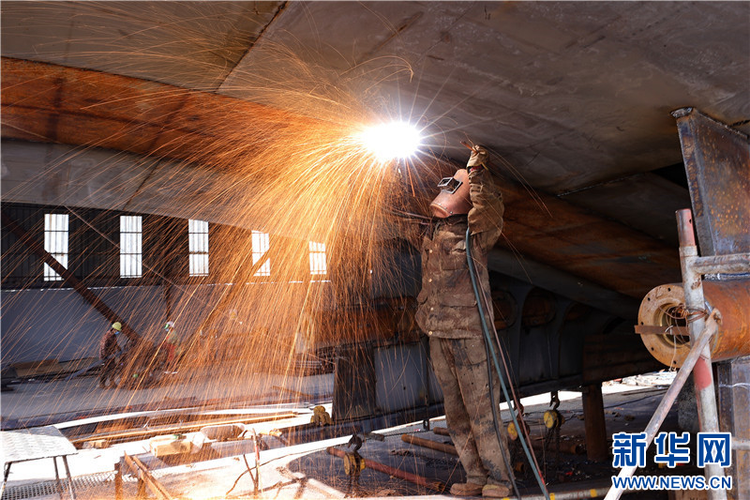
[478, 158]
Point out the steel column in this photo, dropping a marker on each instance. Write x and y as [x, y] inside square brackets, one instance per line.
[717, 163]
[734, 401]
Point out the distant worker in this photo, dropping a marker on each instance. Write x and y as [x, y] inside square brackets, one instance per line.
[108, 351]
[169, 344]
[448, 313]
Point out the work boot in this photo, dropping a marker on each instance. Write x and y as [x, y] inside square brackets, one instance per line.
[466, 489]
[495, 491]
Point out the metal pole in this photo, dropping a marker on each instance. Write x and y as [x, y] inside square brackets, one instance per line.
[669, 397]
[708, 415]
[70, 478]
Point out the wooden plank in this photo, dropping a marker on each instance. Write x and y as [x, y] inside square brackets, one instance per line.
[171, 429]
[145, 475]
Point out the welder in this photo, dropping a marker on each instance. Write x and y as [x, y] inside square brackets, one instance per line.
[448, 313]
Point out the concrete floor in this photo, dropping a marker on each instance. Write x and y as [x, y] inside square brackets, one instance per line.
[304, 470]
[39, 401]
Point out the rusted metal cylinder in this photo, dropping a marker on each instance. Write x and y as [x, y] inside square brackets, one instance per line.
[663, 327]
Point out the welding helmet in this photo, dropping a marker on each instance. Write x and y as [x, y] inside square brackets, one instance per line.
[117, 326]
[453, 198]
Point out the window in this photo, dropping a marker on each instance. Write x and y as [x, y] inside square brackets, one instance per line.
[56, 243]
[198, 236]
[131, 246]
[261, 244]
[318, 258]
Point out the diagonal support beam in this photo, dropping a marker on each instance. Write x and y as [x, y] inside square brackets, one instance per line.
[230, 293]
[670, 396]
[69, 277]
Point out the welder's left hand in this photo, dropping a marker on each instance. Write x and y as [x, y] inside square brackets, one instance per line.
[478, 158]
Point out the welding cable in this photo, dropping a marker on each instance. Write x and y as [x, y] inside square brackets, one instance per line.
[524, 431]
[490, 346]
[496, 419]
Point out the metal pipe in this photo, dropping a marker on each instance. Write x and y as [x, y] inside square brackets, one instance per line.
[568, 495]
[716, 264]
[741, 444]
[143, 433]
[669, 397]
[427, 443]
[708, 414]
[71, 491]
[391, 471]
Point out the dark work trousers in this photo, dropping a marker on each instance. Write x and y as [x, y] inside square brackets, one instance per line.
[107, 371]
[461, 369]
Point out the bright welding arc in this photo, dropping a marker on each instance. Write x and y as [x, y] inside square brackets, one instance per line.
[391, 141]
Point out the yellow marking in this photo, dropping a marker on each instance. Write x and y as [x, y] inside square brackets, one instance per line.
[593, 493]
[551, 496]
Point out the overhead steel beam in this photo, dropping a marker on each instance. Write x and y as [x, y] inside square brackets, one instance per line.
[47, 102]
[142, 120]
[562, 283]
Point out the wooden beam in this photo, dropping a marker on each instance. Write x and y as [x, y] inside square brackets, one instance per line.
[145, 476]
[597, 448]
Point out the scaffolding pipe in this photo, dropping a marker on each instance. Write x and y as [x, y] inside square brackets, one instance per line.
[703, 378]
[701, 343]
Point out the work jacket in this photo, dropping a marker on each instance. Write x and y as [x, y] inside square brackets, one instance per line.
[447, 303]
[108, 344]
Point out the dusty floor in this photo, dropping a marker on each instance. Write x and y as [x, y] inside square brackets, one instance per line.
[223, 470]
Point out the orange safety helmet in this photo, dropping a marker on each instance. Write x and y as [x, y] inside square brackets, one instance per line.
[453, 198]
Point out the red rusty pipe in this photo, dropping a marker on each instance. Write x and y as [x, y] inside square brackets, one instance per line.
[427, 443]
[414, 478]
